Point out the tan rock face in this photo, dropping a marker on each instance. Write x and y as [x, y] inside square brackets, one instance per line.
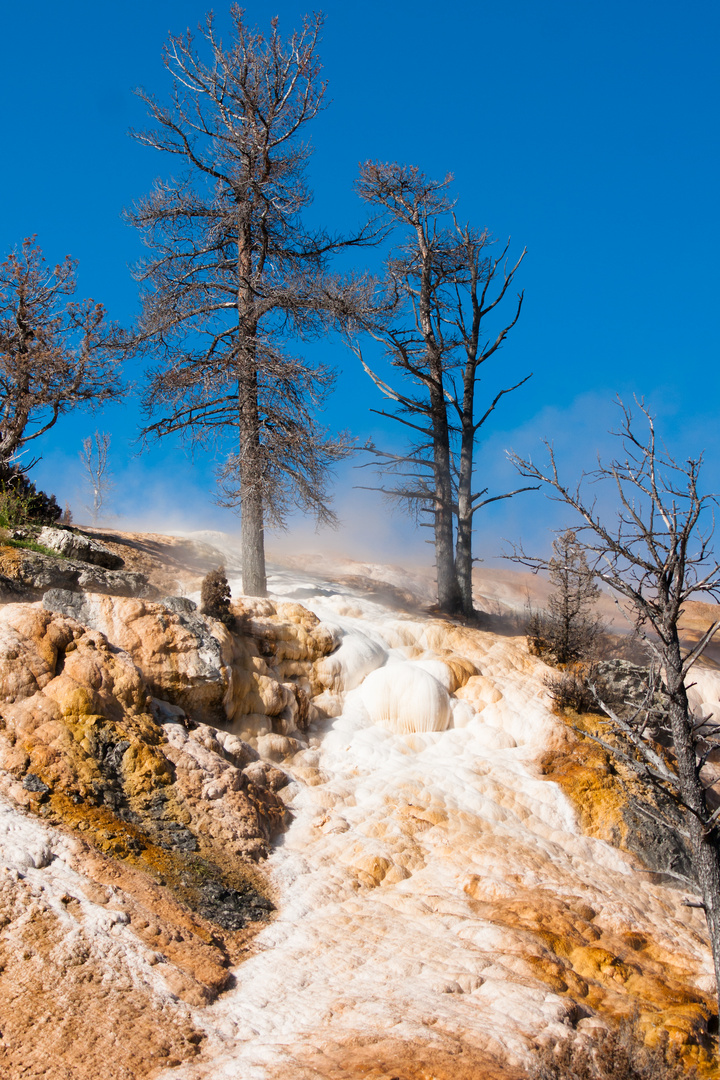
[256, 681]
[183, 657]
[81, 749]
[88, 733]
[29, 646]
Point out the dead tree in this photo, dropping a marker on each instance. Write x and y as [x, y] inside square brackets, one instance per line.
[55, 354]
[655, 557]
[233, 273]
[443, 284]
[94, 456]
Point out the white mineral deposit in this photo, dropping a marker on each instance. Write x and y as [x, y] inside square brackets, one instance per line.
[419, 821]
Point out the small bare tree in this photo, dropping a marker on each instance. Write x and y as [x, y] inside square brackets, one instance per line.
[233, 272]
[55, 354]
[443, 284]
[94, 456]
[655, 558]
[570, 627]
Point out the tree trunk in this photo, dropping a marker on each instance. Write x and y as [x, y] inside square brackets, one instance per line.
[252, 535]
[252, 531]
[464, 560]
[447, 587]
[706, 858]
[447, 584]
[706, 854]
[252, 541]
[463, 557]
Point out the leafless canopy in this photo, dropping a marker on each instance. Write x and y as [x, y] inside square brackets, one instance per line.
[656, 556]
[55, 353]
[233, 271]
[443, 285]
[94, 458]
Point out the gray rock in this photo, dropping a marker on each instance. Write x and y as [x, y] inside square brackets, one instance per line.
[624, 687]
[167, 713]
[659, 843]
[68, 603]
[13, 591]
[76, 546]
[209, 652]
[43, 572]
[179, 604]
[115, 582]
[32, 782]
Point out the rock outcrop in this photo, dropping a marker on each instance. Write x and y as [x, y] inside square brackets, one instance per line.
[32, 573]
[75, 545]
[255, 682]
[84, 748]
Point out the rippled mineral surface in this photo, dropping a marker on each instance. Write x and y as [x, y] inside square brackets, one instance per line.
[440, 874]
[439, 907]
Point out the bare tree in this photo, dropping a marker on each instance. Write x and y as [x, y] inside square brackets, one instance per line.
[55, 354]
[444, 283]
[656, 557]
[94, 456]
[234, 272]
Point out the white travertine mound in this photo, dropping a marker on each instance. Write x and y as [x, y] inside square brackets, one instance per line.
[439, 670]
[357, 656]
[426, 865]
[405, 698]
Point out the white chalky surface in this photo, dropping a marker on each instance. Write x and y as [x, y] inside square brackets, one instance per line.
[375, 932]
[41, 861]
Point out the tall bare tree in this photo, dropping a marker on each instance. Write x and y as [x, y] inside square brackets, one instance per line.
[656, 556]
[55, 354]
[443, 284]
[94, 457]
[233, 272]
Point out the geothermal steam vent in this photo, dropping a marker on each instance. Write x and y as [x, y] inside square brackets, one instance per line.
[404, 698]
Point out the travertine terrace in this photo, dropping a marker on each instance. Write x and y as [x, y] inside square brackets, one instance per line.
[343, 839]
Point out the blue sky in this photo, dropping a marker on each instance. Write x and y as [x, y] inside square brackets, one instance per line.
[586, 132]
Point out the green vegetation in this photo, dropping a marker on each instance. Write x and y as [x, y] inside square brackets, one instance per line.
[30, 545]
[21, 503]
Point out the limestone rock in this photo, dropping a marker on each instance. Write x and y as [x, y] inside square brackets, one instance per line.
[79, 738]
[406, 698]
[96, 965]
[73, 545]
[441, 903]
[35, 571]
[184, 657]
[195, 663]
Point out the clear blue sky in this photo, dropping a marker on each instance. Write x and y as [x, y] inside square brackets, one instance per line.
[587, 132]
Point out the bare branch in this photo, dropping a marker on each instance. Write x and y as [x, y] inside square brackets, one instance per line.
[443, 284]
[233, 273]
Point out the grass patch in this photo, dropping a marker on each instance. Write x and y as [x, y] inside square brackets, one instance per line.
[30, 545]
